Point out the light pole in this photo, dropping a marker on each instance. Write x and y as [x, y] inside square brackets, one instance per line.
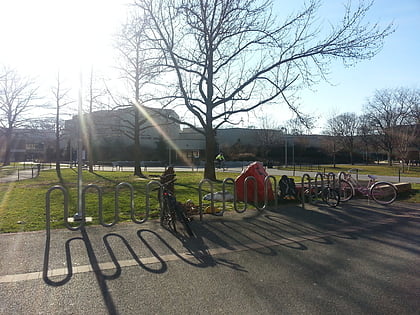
[79, 214]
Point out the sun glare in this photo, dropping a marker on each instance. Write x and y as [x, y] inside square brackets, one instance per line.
[163, 133]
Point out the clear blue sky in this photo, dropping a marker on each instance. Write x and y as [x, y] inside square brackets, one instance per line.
[39, 37]
[397, 65]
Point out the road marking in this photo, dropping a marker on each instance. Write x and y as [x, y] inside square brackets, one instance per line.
[173, 257]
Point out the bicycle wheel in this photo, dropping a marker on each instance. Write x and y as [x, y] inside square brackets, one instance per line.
[331, 197]
[168, 217]
[346, 190]
[383, 193]
[306, 194]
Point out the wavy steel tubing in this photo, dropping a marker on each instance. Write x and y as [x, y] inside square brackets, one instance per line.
[132, 208]
[148, 190]
[200, 195]
[340, 176]
[329, 181]
[303, 189]
[246, 194]
[321, 175]
[66, 209]
[225, 181]
[100, 207]
[266, 181]
[117, 198]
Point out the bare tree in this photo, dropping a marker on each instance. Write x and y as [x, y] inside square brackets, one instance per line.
[61, 99]
[329, 143]
[94, 96]
[138, 66]
[297, 126]
[344, 129]
[366, 138]
[231, 57]
[17, 96]
[388, 111]
[268, 135]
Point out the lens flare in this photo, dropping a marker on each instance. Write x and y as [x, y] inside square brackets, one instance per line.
[162, 133]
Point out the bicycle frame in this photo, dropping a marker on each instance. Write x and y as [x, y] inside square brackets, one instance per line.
[172, 211]
[364, 190]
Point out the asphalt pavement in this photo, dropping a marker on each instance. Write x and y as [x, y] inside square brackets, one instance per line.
[358, 258]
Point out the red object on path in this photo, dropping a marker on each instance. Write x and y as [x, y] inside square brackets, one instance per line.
[256, 170]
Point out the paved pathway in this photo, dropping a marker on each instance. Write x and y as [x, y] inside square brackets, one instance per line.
[270, 171]
[19, 175]
[29, 173]
[359, 258]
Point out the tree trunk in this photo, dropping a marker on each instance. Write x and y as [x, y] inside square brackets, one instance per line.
[57, 143]
[8, 136]
[57, 156]
[137, 160]
[209, 171]
[389, 155]
[89, 150]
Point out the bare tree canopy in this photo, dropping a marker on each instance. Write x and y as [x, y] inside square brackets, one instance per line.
[61, 99]
[230, 57]
[344, 128]
[17, 95]
[138, 65]
[295, 126]
[393, 115]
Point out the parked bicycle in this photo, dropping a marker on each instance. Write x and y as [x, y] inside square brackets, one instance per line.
[380, 191]
[328, 195]
[171, 210]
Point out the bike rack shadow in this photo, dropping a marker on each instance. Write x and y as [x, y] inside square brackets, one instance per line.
[211, 230]
[100, 277]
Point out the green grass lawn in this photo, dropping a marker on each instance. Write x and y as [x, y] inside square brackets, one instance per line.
[23, 204]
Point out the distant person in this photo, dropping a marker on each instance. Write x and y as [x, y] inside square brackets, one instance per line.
[220, 159]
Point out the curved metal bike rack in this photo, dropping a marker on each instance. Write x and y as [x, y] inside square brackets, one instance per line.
[331, 179]
[249, 178]
[200, 195]
[66, 209]
[100, 207]
[303, 189]
[318, 175]
[274, 190]
[148, 189]
[117, 198]
[225, 181]
[132, 206]
[340, 175]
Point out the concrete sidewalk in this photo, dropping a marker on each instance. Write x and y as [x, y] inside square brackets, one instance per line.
[357, 258]
[19, 175]
[30, 173]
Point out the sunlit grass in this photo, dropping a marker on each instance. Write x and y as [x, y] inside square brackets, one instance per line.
[23, 204]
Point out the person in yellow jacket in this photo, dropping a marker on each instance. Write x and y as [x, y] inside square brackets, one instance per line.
[220, 159]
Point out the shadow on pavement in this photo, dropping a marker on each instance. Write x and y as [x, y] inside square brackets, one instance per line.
[290, 227]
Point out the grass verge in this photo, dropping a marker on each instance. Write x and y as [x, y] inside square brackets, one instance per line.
[23, 204]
